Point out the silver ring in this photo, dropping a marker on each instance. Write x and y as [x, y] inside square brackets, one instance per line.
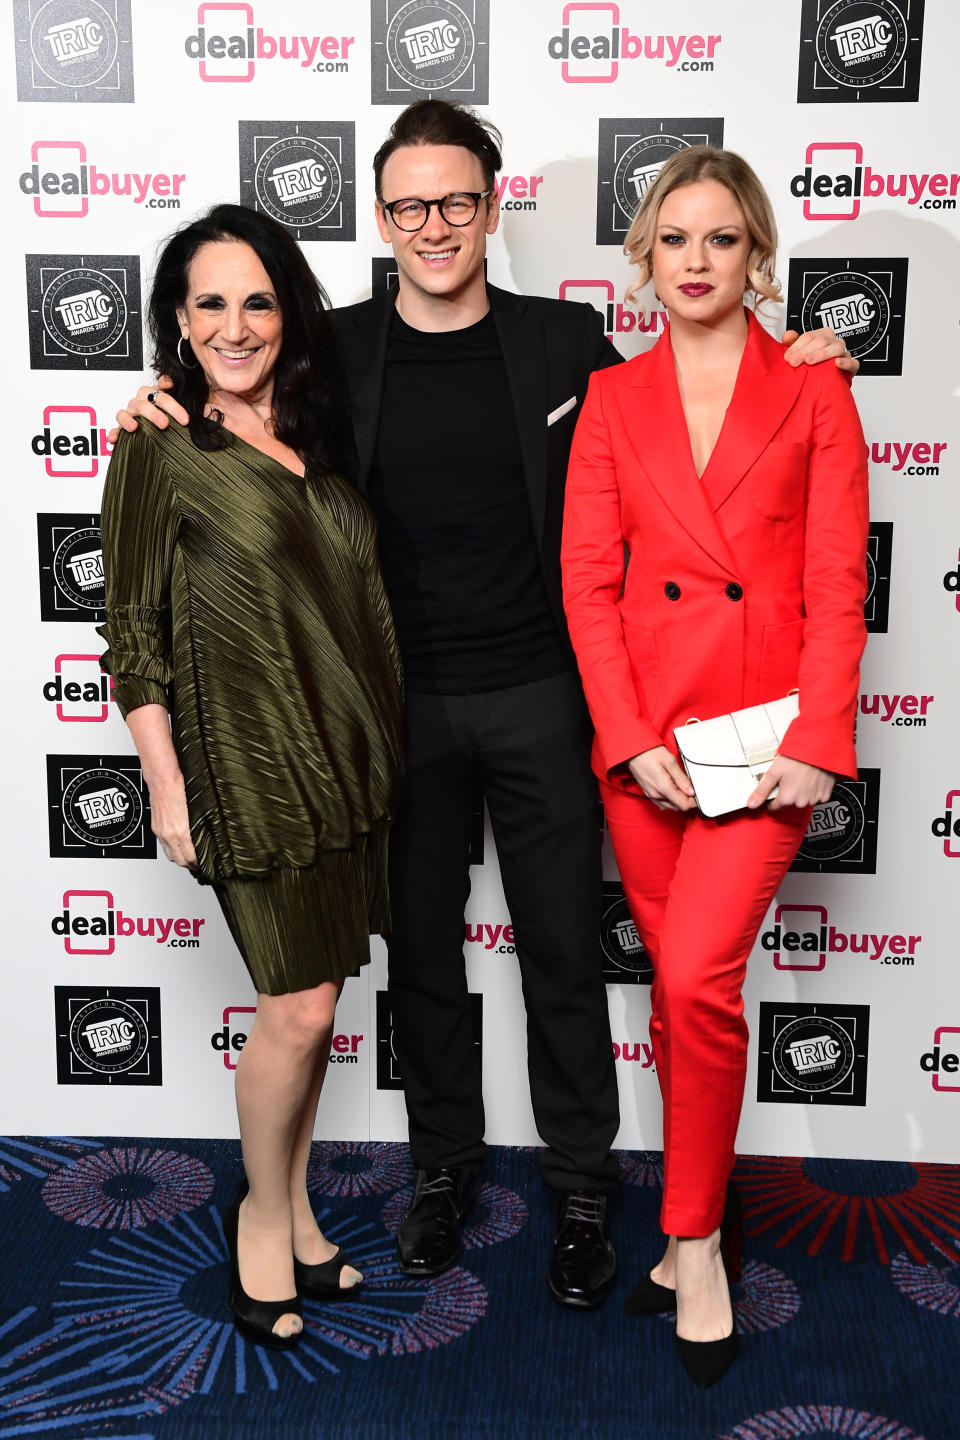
[152, 396]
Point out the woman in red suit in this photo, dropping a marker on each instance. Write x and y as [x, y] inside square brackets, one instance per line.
[714, 558]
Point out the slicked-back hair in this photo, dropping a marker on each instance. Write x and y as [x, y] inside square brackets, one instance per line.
[440, 122]
[304, 411]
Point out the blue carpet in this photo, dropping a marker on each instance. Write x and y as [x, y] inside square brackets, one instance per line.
[113, 1320]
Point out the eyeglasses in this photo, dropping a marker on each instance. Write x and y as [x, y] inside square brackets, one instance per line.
[457, 209]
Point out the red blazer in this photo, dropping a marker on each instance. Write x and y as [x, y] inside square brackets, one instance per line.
[690, 596]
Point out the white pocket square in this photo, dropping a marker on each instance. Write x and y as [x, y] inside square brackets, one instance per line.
[561, 410]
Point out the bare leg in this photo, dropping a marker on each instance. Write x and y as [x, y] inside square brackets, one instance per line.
[665, 1273]
[704, 1310]
[275, 1078]
[309, 1243]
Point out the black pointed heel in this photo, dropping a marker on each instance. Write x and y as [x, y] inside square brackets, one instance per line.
[649, 1297]
[254, 1319]
[322, 1282]
[706, 1360]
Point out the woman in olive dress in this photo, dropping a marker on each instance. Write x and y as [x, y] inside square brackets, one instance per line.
[254, 659]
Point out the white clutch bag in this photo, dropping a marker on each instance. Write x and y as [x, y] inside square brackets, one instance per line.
[725, 757]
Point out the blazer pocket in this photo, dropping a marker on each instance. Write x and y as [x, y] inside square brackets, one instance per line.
[644, 657]
[777, 482]
[780, 659]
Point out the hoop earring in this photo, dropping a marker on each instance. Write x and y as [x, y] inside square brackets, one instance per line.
[196, 363]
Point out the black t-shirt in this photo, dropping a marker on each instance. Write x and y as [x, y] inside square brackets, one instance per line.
[457, 543]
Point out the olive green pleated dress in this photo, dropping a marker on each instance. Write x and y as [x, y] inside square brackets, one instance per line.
[249, 602]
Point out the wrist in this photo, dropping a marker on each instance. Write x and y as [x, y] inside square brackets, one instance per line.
[164, 780]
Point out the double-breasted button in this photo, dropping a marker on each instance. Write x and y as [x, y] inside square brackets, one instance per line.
[672, 590]
[734, 591]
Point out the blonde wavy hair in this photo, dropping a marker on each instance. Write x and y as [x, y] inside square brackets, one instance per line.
[708, 162]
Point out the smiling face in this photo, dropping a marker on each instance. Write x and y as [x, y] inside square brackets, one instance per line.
[232, 320]
[441, 262]
[700, 252]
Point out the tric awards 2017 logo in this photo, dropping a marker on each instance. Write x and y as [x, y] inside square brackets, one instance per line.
[860, 51]
[74, 52]
[863, 300]
[625, 958]
[812, 1054]
[98, 807]
[424, 48]
[630, 155]
[302, 174]
[841, 836]
[84, 312]
[108, 1035]
[71, 567]
[388, 1064]
[876, 608]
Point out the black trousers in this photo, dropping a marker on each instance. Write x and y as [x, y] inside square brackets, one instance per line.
[529, 748]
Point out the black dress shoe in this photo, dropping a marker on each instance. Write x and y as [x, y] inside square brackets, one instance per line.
[429, 1237]
[584, 1262]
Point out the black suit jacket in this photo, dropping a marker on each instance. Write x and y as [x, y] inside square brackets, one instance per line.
[550, 348]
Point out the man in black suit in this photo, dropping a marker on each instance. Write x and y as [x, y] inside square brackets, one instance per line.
[464, 399]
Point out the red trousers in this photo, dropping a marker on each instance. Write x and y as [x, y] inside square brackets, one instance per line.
[698, 891]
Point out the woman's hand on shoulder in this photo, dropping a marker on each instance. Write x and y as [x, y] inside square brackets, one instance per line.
[800, 784]
[170, 822]
[663, 779]
[153, 403]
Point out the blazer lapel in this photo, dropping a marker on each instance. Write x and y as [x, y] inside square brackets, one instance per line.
[364, 340]
[522, 341]
[657, 431]
[765, 393]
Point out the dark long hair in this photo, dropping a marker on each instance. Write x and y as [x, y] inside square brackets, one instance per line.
[304, 409]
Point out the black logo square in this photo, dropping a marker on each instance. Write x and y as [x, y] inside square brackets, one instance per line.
[73, 52]
[302, 173]
[625, 958]
[863, 300]
[84, 312]
[99, 807]
[879, 553]
[860, 51]
[426, 48]
[841, 837]
[383, 275]
[71, 567]
[812, 1054]
[630, 155]
[388, 1066]
[108, 1035]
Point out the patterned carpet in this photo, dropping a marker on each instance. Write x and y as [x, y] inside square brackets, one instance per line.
[113, 1320]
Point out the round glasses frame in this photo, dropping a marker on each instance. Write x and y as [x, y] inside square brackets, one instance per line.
[441, 203]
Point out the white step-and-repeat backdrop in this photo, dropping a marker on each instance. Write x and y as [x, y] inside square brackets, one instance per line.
[125, 1003]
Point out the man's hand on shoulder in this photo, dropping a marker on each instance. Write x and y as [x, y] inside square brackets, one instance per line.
[153, 403]
[815, 346]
